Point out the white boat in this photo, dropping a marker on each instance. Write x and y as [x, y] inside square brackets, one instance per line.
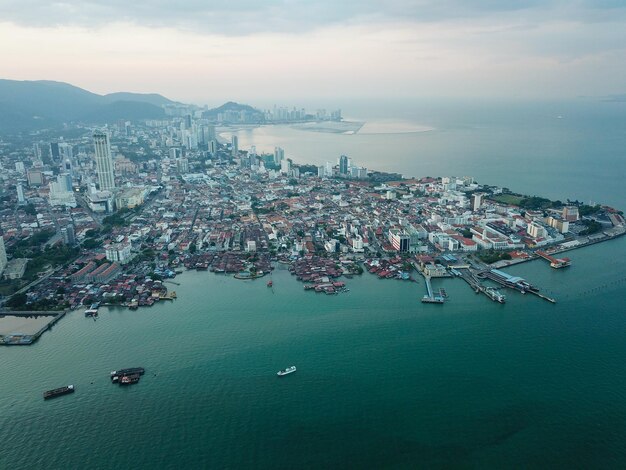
[288, 370]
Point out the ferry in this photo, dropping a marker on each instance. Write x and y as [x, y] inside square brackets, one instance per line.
[495, 295]
[287, 371]
[57, 392]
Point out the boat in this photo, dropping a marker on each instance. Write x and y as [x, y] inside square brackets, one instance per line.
[270, 283]
[129, 379]
[57, 392]
[287, 371]
[117, 374]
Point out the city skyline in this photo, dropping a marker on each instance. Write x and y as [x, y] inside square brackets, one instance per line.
[288, 49]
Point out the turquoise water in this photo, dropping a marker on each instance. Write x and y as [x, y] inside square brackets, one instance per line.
[382, 380]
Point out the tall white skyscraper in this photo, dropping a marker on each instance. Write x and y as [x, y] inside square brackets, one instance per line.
[279, 155]
[104, 160]
[235, 146]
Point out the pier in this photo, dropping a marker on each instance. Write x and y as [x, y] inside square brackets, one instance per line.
[169, 296]
[474, 283]
[555, 263]
[431, 298]
[514, 282]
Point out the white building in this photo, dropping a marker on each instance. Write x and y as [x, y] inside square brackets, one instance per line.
[535, 230]
[20, 194]
[59, 195]
[279, 155]
[118, 252]
[104, 160]
[357, 244]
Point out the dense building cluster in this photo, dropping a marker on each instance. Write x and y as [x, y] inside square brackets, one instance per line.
[107, 214]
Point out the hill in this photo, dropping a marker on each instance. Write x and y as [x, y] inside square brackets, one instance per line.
[26, 105]
[232, 107]
[150, 98]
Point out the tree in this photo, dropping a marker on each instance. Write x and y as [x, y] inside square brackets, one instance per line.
[17, 301]
[90, 243]
[30, 209]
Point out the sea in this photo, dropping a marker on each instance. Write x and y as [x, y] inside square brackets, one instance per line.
[382, 381]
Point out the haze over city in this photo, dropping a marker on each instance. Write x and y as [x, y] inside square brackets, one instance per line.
[205, 52]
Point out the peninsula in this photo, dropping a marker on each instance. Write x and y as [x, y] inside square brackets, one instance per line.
[109, 216]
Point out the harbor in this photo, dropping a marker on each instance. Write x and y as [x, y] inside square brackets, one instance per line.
[380, 328]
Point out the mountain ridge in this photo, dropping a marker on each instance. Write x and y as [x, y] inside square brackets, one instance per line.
[34, 104]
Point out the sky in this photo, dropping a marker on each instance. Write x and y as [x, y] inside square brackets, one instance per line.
[280, 50]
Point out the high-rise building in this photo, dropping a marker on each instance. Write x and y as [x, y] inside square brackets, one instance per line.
[476, 201]
[55, 152]
[59, 194]
[104, 160]
[65, 151]
[65, 181]
[329, 169]
[399, 240]
[343, 165]
[212, 147]
[182, 165]
[69, 235]
[67, 167]
[235, 146]
[3, 255]
[279, 155]
[570, 213]
[210, 132]
[37, 151]
[20, 194]
[174, 153]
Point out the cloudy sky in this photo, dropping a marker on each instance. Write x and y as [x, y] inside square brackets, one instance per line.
[208, 51]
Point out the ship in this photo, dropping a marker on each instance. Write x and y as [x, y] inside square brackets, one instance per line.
[287, 371]
[117, 374]
[129, 379]
[270, 283]
[57, 392]
[495, 295]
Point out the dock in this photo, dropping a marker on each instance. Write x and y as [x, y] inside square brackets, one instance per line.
[556, 263]
[169, 296]
[514, 282]
[474, 283]
[430, 297]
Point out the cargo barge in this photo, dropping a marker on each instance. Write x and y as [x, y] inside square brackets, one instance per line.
[57, 392]
[116, 375]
